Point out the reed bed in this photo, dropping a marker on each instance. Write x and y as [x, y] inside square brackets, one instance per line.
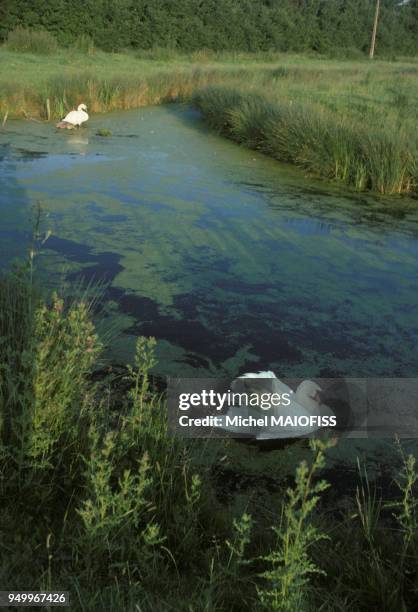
[315, 139]
[127, 92]
[102, 81]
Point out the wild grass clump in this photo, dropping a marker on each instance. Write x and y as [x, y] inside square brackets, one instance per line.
[373, 560]
[381, 160]
[26, 40]
[85, 44]
[127, 91]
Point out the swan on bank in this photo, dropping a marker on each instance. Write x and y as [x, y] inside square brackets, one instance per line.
[304, 402]
[74, 118]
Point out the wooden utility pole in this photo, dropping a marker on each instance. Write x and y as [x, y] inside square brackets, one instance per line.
[376, 19]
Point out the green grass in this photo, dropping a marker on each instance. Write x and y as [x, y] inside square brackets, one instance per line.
[99, 499]
[321, 142]
[348, 121]
[104, 81]
[25, 40]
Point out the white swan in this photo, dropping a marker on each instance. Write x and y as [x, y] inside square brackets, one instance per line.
[245, 384]
[74, 118]
[308, 395]
[304, 402]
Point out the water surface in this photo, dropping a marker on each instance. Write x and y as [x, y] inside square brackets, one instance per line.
[232, 261]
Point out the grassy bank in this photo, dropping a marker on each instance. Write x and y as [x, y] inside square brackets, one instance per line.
[113, 81]
[377, 157]
[349, 121]
[99, 499]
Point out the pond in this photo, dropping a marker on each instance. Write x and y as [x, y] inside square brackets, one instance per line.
[231, 260]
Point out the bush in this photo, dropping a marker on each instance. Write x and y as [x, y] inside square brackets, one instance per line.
[25, 40]
[45, 357]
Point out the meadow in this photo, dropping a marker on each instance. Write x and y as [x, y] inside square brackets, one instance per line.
[350, 121]
[99, 499]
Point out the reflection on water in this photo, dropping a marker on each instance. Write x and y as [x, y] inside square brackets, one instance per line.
[78, 141]
[232, 261]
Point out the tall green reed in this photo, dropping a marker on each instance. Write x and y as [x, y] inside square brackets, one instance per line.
[381, 160]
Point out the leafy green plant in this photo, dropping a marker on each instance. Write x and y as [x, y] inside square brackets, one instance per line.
[237, 546]
[116, 512]
[290, 566]
[405, 512]
[144, 362]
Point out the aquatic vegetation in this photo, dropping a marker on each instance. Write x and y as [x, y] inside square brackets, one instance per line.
[104, 133]
[382, 159]
[131, 513]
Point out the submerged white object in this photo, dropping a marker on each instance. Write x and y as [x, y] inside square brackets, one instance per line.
[266, 374]
[75, 117]
[273, 384]
[304, 402]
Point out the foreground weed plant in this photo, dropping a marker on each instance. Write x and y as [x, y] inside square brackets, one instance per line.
[290, 568]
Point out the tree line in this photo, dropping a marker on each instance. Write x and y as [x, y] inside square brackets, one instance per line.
[243, 25]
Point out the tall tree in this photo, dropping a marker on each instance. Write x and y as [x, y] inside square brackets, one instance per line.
[325, 26]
